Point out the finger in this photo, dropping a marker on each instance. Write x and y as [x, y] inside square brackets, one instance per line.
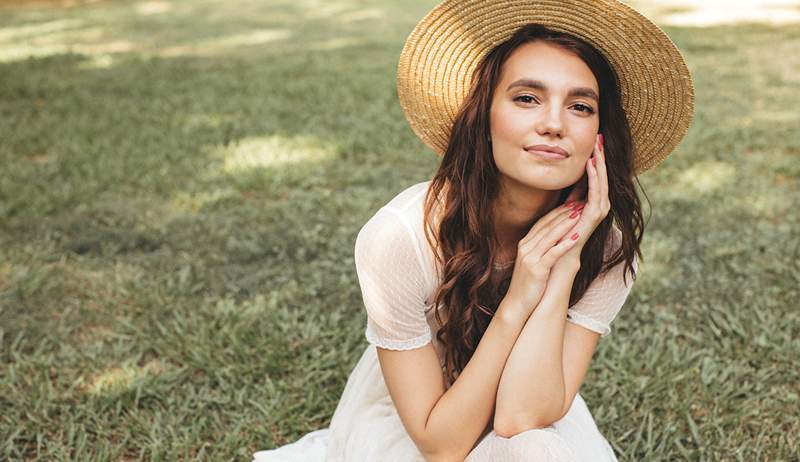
[593, 198]
[602, 172]
[554, 234]
[560, 249]
[547, 220]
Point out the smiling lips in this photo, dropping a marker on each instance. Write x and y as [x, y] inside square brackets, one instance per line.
[547, 151]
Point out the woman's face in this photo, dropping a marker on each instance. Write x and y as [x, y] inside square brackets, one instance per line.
[557, 106]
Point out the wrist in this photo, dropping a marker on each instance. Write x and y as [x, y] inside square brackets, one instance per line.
[512, 313]
[568, 264]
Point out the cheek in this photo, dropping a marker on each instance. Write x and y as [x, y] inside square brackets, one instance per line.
[506, 125]
[585, 140]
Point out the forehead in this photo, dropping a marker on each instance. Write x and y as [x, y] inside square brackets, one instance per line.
[553, 65]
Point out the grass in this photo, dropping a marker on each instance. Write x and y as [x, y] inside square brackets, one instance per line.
[181, 189]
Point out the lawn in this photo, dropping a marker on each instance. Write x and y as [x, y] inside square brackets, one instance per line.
[182, 183]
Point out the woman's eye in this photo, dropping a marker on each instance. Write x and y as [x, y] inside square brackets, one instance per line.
[531, 99]
[518, 98]
[586, 109]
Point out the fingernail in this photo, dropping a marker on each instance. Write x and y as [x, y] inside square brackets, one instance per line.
[594, 160]
[575, 214]
[574, 237]
[602, 140]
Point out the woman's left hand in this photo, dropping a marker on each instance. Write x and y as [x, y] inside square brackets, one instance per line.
[595, 207]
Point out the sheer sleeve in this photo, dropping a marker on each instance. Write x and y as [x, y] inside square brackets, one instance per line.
[390, 273]
[603, 299]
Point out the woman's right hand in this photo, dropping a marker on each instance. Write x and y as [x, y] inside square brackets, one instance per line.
[537, 252]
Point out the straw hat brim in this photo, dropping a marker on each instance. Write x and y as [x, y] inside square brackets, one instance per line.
[441, 53]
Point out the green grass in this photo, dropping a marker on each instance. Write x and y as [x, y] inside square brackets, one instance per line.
[182, 184]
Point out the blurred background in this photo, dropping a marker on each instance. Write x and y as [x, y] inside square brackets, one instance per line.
[181, 184]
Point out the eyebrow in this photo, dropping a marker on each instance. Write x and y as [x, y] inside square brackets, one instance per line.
[539, 85]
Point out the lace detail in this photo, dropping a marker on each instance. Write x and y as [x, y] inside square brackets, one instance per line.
[592, 324]
[389, 344]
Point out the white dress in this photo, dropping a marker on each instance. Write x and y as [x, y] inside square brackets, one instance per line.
[397, 275]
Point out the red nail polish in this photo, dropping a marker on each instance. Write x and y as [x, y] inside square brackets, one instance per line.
[594, 160]
[574, 237]
[602, 140]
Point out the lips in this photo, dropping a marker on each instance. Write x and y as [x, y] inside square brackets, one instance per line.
[547, 149]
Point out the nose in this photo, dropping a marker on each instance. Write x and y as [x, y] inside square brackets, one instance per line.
[549, 122]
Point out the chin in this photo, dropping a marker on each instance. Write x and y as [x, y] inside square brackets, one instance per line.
[546, 182]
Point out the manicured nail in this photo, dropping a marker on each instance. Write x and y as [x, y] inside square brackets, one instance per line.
[594, 160]
[574, 237]
[575, 214]
[602, 140]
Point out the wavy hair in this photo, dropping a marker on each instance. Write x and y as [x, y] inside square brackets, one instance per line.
[466, 186]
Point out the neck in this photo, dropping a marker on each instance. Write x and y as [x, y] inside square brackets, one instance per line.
[517, 209]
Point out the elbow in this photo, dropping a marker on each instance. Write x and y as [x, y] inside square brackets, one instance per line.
[444, 454]
[429, 457]
[508, 427]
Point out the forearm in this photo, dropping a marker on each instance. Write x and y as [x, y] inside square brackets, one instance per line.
[531, 390]
[463, 412]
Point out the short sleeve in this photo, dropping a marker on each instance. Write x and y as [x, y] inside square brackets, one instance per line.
[602, 300]
[391, 276]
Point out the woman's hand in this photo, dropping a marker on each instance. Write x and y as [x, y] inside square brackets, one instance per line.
[537, 252]
[597, 204]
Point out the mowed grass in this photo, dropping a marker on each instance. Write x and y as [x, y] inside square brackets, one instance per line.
[181, 188]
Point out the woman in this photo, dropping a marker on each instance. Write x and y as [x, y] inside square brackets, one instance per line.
[488, 287]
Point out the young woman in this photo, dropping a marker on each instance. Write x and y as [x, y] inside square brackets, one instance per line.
[488, 287]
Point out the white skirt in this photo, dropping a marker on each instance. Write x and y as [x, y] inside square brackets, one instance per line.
[366, 427]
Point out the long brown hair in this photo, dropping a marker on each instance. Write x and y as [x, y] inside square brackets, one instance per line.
[467, 245]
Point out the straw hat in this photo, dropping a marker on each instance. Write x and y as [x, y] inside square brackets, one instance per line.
[438, 58]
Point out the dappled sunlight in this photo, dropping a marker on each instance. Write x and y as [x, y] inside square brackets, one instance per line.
[705, 177]
[769, 205]
[97, 62]
[108, 33]
[216, 45]
[122, 378]
[361, 15]
[274, 151]
[37, 29]
[18, 53]
[337, 43]
[151, 8]
[774, 116]
[193, 202]
[702, 13]
[327, 9]
[243, 156]
[659, 261]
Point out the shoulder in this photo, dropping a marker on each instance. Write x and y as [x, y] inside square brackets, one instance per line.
[394, 223]
[409, 198]
[399, 216]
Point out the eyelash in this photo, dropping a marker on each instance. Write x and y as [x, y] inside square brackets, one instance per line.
[588, 110]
